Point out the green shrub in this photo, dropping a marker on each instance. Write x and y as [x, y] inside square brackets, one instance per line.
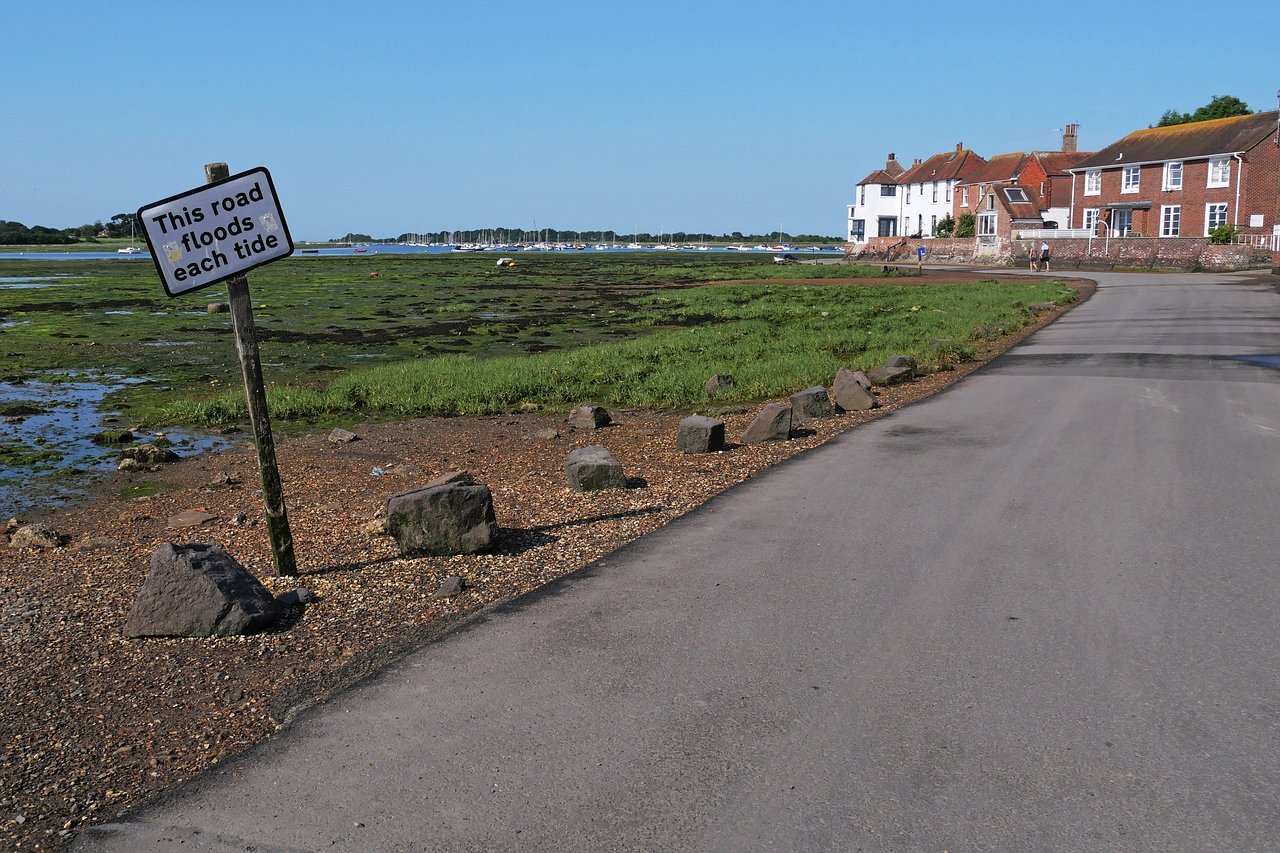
[967, 226]
[1224, 234]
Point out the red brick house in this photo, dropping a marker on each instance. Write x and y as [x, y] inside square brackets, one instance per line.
[1182, 181]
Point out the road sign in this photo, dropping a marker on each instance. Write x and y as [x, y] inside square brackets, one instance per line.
[209, 234]
[920, 252]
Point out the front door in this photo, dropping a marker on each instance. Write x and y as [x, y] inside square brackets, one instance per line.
[888, 226]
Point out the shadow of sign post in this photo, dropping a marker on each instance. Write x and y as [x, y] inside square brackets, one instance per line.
[218, 233]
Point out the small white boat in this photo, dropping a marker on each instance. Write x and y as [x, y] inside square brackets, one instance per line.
[129, 250]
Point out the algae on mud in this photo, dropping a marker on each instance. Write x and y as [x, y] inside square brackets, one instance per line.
[323, 322]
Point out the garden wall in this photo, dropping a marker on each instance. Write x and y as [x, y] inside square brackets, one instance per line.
[1177, 253]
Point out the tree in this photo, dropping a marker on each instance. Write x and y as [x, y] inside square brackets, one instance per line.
[1221, 106]
[967, 226]
[945, 227]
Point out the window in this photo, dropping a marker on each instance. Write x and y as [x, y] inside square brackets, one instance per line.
[933, 226]
[948, 192]
[1220, 171]
[964, 196]
[1170, 220]
[935, 192]
[1093, 182]
[862, 195]
[991, 201]
[858, 229]
[1091, 218]
[888, 189]
[1214, 215]
[1122, 223]
[987, 225]
[908, 193]
[1129, 184]
[1172, 176]
[888, 226]
[1016, 195]
[1042, 189]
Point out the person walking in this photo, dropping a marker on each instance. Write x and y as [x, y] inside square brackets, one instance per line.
[1044, 256]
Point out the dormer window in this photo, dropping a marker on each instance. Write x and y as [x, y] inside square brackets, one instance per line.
[1016, 195]
[1172, 176]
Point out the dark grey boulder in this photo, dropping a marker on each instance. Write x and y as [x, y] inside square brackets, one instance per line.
[719, 382]
[444, 520]
[851, 391]
[592, 469]
[198, 590]
[450, 587]
[148, 455]
[342, 436]
[589, 417]
[811, 404]
[1037, 307]
[700, 434]
[295, 597]
[772, 424]
[900, 361]
[890, 375]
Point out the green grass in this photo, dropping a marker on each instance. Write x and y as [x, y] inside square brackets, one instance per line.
[774, 340]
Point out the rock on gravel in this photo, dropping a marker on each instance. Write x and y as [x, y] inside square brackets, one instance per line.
[885, 375]
[772, 424]
[443, 520]
[589, 417]
[198, 590]
[37, 536]
[700, 434]
[811, 404]
[342, 436]
[593, 469]
[852, 391]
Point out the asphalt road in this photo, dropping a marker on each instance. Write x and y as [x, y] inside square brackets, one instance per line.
[1037, 612]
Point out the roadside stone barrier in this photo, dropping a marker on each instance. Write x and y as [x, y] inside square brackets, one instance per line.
[896, 370]
[700, 434]
[587, 416]
[199, 590]
[772, 424]
[443, 519]
[851, 391]
[811, 404]
[593, 469]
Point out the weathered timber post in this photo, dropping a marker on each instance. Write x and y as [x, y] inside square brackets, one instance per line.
[256, 395]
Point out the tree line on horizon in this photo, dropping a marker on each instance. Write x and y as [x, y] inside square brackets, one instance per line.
[17, 234]
[1221, 106]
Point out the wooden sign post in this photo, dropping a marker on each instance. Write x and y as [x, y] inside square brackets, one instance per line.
[256, 395]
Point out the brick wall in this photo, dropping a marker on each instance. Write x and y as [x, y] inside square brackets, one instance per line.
[1183, 253]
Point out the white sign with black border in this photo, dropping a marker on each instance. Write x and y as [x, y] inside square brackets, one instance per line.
[208, 235]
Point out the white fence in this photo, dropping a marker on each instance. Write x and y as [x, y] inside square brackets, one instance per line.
[1262, 241]
[1052, 233]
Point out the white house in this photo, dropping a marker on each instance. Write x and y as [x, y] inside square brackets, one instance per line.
[894, 201]
[876, 210]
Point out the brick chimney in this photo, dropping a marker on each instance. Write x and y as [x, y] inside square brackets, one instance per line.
[959, 147]
[1069, 139]
[917, 162]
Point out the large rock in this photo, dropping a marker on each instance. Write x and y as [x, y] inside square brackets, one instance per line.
[772, 424]
[198, 591]
[592, 469]
[885, 375]
[719, 382]
[443, 520]
[700, 434]
[146, 456]
[37, 537]
[589, 417]
[900, 361]
[811, 404]
[852, 390]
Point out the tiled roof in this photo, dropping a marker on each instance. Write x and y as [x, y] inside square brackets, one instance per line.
[1058, 162]
[879, 176]
[1186, 141]
[1002, 167]
[944, 167]
[1029, 209]
[894, 168]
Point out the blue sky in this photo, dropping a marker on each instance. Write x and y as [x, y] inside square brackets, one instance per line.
[391, 117]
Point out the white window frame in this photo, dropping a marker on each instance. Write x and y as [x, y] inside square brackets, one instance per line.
[948, 192]
[991, 201]
[908, 201]
[1209, 210]
[1016, 195]
[1170, 220]
[986, 225]
[1173, 176]
[1127, 186]
[862, 200]
[933, 228]
[1221, 165]
[1091, 215]
[1093, 182]
[1117, 229]
[935, 192]
[964, 196]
